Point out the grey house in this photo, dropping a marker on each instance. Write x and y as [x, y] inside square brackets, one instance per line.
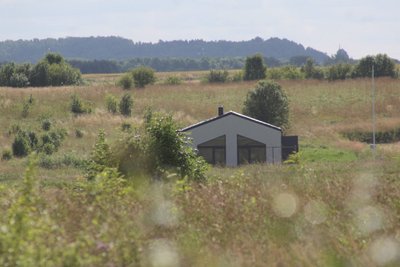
[232, 138]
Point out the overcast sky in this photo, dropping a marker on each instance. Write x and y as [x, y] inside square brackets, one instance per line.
[361, 27]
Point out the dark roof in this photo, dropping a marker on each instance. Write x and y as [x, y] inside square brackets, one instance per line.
[227, 114]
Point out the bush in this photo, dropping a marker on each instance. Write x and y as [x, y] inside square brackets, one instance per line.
[78, 106]
[125, 105]
[125, 81]
[6, 155]
[78, 133]
[285, 73]
[254, 68]
[126, 127]
[383, 66]
[46, 124]
[173, 80]
[100, 158]
[217, 76]
[21, 146]
[160, 147]
[143, 76]
[268, 103]
[237, 76]
[112, 104]
[339, 72]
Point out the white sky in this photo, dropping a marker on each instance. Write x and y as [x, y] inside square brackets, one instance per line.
[361, 27]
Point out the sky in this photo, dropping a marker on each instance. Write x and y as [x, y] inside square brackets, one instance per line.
[361, 27]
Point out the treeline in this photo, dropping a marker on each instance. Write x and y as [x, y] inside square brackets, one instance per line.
[120, 49]
[194, 64]
[165, 64]
[52, 70]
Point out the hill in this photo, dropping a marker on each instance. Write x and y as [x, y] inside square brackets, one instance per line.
[117, 48]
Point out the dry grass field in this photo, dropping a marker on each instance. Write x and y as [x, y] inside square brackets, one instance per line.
[336, 207]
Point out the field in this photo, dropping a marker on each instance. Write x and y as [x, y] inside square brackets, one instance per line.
[338, 206]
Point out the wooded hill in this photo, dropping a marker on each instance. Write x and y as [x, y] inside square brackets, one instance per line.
[120, 49]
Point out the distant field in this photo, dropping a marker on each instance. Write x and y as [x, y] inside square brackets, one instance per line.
[338, 207]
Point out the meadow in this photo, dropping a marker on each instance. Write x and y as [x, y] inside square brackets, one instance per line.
[339, 205]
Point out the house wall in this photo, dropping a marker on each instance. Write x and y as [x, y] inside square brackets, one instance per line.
[231, 126]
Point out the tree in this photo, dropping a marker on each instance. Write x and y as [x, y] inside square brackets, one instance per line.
[254, 68]
[383, 66]
[143, 76]
[310, 71]
[268, 103]
[125, 105]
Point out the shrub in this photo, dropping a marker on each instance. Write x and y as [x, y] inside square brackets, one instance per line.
[125, 81]
[100, 157]
[46, 124]
[78, 106]
[254, 68]
[78, 133]
[339, 72]
[143, 76]
[237, 76]
[268, 103]
[25, 109]
[383, 66]
[112, 104]
[51, 141]
[160, 147]
[126, 127]
[217, 76]
[173, 80]
[53, 70]
[21, 146]
[125, 105]
[6, 155]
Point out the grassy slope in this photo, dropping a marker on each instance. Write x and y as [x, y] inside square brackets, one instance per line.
[338, 207]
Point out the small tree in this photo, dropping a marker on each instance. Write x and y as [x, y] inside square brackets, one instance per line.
[143, 76]
[254, 68]
[125, 105]
[268, 103]
[112, 103]
[125, 81]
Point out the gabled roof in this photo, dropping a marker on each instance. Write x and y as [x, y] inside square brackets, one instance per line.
[229, 113]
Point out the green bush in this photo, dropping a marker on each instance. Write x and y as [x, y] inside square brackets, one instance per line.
[160, 147]
[173, 80]
[268, 103]
[52, 70]
[6, 155]
[21, 146]
[78, 106]
[100, 158]
[112, 104]
[237, 76]
[254, 68]
[125, 105]
[339, 72]
[217, 76]
[143, 76]
[46, 124]
[125, 81]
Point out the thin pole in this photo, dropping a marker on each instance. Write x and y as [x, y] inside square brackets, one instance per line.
[373, 114]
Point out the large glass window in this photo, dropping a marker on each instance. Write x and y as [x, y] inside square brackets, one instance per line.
[214, 151]
[250, 151]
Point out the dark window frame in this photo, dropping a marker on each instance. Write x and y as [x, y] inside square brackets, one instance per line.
[249, 150]
[214, 148]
